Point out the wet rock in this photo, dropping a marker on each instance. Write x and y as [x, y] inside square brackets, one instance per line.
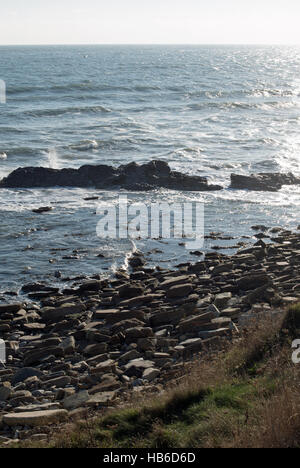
[43, 209]
[132, 176]
[263, 182]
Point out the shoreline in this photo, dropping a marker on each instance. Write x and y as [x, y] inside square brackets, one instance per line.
[85, 348]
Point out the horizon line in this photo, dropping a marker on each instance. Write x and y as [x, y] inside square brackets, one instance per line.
[151, 44]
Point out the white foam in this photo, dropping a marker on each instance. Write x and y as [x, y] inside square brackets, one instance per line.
[52, 158]
[86, 145]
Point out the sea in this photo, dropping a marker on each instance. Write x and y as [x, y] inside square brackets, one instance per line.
[206, 110]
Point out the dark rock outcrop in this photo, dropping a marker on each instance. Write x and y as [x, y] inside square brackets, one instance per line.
[266, 182]
[154, 174]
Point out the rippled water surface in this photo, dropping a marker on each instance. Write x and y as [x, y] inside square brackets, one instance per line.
[206, 110]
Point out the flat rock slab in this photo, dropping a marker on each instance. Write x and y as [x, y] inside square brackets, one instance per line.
[35, 418]
[10, 308]
[37, 407]
[103, 399]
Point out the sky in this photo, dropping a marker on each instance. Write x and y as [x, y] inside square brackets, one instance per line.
[149, 22]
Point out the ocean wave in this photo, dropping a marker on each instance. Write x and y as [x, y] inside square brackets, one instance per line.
[85, 145]
[83, 86]
[23, 151]
[65, 110]
[241, 105]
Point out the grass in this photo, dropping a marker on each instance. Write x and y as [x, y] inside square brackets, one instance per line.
[246, 397]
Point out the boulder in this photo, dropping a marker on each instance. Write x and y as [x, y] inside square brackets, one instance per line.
[76, 400]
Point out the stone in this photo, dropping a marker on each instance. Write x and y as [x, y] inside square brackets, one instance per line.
[95, 349]
[130, 356]
[133, 334]
[252, 281]
[76, 400]
[170, 316]
[167, 284]
[108, 383]
[151, 374]
[42, 209]
[101, 399]
[214, 333]
[137, 367]
[128, 291]
[146, 344]
[105, 366]
[68, 345]
[92, 285]
[10, 308]
[5, 391]
[139, 301]
[35, 418]
[58, 382]
[51, 314]
[22, 374]
[268, 182]
[36, 356]
[37, 407]
[221, 300]
[192, 344]
[120, 316]
[181, 290]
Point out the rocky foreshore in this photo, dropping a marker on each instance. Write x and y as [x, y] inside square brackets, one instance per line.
[135, 177]
[91, 346]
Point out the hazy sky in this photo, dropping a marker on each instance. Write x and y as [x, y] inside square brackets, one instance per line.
[149, 21]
